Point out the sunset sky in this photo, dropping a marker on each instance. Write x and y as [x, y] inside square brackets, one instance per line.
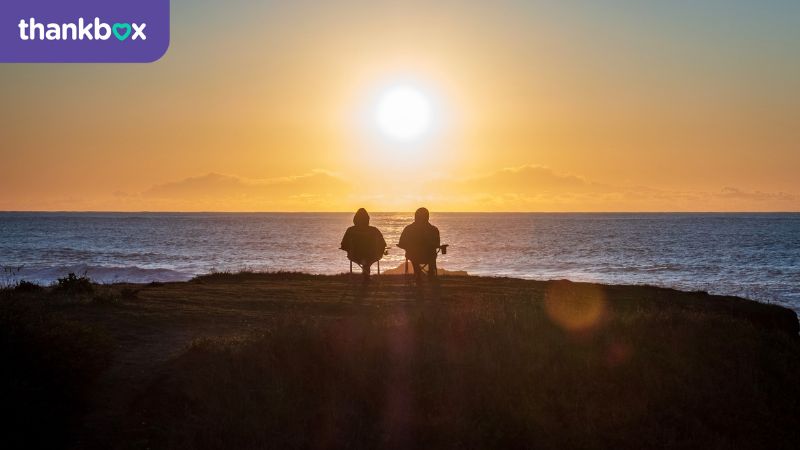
[534, 106]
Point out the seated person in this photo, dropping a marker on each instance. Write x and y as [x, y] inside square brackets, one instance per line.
[364, 244]
[421, 241]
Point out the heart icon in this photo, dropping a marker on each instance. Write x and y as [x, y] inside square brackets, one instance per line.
[120, 34]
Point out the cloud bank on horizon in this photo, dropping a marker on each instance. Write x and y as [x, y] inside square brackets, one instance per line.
[525, 188]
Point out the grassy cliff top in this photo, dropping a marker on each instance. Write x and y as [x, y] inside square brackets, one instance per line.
[298, 361]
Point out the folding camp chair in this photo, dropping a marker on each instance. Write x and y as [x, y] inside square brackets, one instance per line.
[424, 267]
[361, 266]
[364, 245]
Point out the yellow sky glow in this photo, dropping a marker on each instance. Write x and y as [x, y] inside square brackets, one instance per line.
[549, 109]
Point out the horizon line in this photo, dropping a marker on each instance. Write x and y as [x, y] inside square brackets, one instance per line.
[43, 211]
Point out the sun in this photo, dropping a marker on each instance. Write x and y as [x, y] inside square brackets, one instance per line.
[404, 113]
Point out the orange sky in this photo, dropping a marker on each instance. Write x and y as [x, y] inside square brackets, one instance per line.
[538, 106]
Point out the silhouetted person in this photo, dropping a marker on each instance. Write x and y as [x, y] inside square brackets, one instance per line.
[363, 243]
[420, 240]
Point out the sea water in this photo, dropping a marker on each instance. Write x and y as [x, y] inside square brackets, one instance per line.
[750, 255]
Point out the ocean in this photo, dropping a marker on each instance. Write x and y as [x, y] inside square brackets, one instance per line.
[751, 255]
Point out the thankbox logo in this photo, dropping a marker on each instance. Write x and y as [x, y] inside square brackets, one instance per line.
[99, 31]
[83, 30]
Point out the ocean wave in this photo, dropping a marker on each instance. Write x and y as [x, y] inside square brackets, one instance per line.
[755, 256]
[101, 274]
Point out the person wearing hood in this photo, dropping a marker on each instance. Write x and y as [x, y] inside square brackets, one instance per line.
[421, 242]
[363, 243]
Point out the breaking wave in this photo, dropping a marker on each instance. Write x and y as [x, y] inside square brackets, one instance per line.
[99, 274]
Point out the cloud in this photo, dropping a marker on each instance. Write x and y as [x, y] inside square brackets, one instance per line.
[738, 194]
[539, 188]
[528, 179]
[529, 187]
[523, 188]
[315, 190]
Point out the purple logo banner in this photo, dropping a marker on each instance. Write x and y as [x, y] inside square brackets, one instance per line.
[83, 31]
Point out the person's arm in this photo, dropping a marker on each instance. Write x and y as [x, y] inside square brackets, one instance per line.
[403, 238]
[436, 239]
[382, 242]
[346, 241]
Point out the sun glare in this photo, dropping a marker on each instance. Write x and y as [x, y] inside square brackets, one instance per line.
[404, 113]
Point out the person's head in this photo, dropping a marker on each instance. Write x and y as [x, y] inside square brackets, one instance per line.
[361, 219]
[422, 215]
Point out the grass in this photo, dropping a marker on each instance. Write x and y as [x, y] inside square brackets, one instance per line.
[487, 379]
[249, 275]
[484, 375]
[49, 366]
[297, 361]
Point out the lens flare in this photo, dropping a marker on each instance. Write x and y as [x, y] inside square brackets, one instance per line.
[575, 307]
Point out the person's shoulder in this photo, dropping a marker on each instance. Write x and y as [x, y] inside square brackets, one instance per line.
[374, 229]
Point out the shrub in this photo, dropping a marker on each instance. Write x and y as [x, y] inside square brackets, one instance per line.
[9, 276]
[28, 287]
[74, 285]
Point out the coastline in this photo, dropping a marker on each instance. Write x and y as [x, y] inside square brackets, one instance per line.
[718, 253]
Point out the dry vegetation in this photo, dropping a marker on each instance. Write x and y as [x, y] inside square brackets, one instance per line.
[298, 361]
